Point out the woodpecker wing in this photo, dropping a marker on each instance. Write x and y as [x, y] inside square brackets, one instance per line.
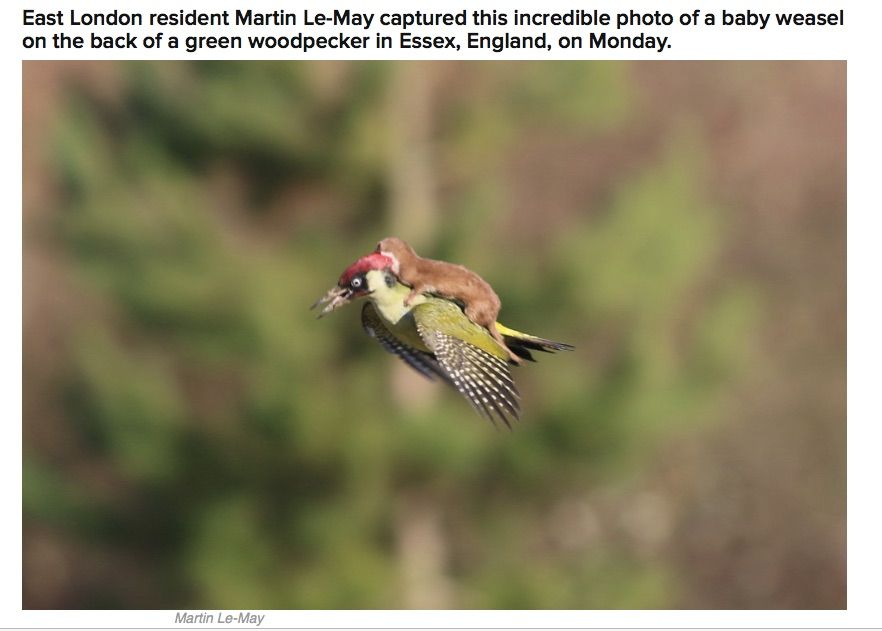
[463, 350]
[421, 361]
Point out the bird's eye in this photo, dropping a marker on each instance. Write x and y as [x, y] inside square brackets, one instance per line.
[356, 282]
[390, 280]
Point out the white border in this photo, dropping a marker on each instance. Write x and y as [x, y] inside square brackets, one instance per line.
[859, 43]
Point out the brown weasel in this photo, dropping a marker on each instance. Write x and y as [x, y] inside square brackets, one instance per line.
[481, 304]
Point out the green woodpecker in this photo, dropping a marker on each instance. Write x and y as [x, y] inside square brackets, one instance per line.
[435, 337]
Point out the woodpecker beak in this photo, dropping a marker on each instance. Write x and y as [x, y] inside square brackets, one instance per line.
[335, 298]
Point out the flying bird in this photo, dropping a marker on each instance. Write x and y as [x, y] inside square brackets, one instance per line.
[435, 337]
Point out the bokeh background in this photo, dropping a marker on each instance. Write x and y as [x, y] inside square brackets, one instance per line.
[194, 438]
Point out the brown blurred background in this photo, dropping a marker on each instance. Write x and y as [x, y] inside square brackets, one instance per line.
[179, 400]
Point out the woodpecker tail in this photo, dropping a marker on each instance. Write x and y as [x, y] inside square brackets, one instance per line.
[522, 343]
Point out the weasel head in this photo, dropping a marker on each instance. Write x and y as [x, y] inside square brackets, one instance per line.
[398, 251]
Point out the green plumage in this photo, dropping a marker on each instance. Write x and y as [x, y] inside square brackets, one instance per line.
[434, 337]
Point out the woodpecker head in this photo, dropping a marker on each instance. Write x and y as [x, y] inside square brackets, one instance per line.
[353, 282]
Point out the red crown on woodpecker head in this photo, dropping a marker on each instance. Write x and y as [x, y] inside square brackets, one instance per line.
[374, 260]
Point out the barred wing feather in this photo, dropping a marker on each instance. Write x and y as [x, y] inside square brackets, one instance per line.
[421, 361]
[480, 377]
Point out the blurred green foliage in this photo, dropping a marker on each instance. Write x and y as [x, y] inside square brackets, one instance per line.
[266, 460]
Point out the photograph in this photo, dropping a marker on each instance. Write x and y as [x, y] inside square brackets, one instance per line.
[433, 335]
